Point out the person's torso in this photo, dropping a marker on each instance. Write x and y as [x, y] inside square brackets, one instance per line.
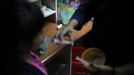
[113, 30]
[24, 68]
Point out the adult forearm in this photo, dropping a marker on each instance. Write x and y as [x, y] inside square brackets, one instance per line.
[125, 70]
[72, 23]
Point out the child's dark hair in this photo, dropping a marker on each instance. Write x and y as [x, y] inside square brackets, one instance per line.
[29, 21]
[20, 22]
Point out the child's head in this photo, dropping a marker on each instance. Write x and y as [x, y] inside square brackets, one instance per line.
[22, 23]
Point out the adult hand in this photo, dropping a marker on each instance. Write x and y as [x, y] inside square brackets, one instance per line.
[67, 32]
[96, 69]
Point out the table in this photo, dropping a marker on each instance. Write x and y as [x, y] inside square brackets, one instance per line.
[53, 49]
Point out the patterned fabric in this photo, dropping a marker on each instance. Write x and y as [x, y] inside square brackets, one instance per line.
[37, 63]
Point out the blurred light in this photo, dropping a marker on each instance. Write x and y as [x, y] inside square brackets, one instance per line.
[59, 26]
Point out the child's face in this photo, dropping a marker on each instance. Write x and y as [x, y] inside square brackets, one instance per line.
[38, 40]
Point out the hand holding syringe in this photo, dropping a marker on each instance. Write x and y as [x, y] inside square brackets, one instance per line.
[92, 67]
[67, 39]
[82, 61]
[86, 64]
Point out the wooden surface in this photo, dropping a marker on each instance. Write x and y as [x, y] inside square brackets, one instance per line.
[53, 49]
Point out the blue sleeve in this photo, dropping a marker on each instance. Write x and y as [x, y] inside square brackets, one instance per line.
[86, 11]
